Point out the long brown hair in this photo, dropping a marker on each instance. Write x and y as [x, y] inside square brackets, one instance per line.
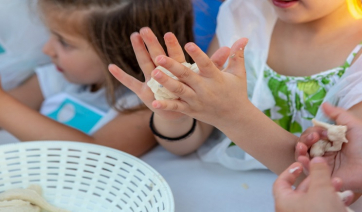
[108, 24]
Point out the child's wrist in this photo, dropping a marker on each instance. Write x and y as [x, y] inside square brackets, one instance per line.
[171, 129]
[242, 115]
[172, 137]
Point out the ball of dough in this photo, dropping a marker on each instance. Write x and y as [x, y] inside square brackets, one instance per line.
[161, 92]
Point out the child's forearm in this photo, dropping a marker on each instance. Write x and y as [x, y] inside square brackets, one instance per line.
[259, 136]
[129, 133]
[28, 124]
[177, 128]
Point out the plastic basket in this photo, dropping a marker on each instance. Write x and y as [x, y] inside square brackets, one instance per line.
[85, 177]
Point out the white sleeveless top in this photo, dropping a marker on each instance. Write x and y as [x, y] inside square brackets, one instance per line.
[255, 20]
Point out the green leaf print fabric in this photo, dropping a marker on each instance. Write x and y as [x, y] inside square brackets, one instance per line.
[297, 99]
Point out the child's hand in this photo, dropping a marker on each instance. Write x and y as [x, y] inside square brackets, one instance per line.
[146, 60]
[212, 96]
[345, 164]
[315, 194]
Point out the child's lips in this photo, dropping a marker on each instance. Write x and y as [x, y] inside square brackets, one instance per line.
[59, 69]
[284, 3]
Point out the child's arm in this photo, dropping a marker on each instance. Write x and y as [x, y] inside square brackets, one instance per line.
[168, 124]
[29, 93]
[220, 99]
[126, 132]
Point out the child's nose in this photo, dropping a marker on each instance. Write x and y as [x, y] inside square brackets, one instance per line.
[48, 48]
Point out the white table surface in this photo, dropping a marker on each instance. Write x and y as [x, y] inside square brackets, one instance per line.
[198, 186]
[204, 187]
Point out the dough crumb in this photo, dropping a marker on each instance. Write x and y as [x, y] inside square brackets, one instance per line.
[245, 186]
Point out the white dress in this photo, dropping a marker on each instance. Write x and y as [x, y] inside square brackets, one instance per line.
[255, 20]
[75, 105]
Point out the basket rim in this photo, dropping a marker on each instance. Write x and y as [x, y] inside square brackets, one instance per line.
[165, 186]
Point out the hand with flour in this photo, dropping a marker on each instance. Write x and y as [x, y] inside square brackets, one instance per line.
[161, 92]
[346, 163]
[169, 124]
[317, 193]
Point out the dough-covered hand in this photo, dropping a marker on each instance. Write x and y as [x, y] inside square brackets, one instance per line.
[212, 96]
[161, 92]
[336, 136]
[345, 164]
[318, 193]
[147, 61]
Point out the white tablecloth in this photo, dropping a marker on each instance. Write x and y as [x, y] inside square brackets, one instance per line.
[205, 187]
[199, 187]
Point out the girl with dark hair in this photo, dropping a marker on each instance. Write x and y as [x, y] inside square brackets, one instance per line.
[79, 99]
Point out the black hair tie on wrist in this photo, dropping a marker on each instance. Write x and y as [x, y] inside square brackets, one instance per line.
[168, 138]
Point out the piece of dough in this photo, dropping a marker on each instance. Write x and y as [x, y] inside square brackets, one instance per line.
[162, 93]
[336, 135]
[32, 195]
[18, 206]
[343, 195]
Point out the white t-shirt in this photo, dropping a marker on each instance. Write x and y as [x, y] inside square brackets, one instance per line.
[22, 36]
[75, 105]
[255, 20]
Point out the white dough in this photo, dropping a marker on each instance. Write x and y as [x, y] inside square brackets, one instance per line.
[336, 135]
[18, 206]
[21, 199]
[162, 93]
[343, 195]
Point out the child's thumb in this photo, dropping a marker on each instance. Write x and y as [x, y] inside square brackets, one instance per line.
[339, 115]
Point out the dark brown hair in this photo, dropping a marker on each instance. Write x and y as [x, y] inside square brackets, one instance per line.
[108, 24]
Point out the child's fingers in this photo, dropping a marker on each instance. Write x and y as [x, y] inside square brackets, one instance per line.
[319, 173]
[127, 80]
[311, 136]
[304, 160]
[171, 105]
[303, 186]
[153, 45]
[143, 57]
[183, 73]
[285, 181]
[337, 183]
[339, 115]
[176, 87]
[220, 57]
[206, 66]
[300, 150]
[174, 49]
[236, 64]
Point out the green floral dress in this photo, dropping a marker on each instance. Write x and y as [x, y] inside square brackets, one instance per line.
[297, 99]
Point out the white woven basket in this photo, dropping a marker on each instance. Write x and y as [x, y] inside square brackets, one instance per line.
[84, 177]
